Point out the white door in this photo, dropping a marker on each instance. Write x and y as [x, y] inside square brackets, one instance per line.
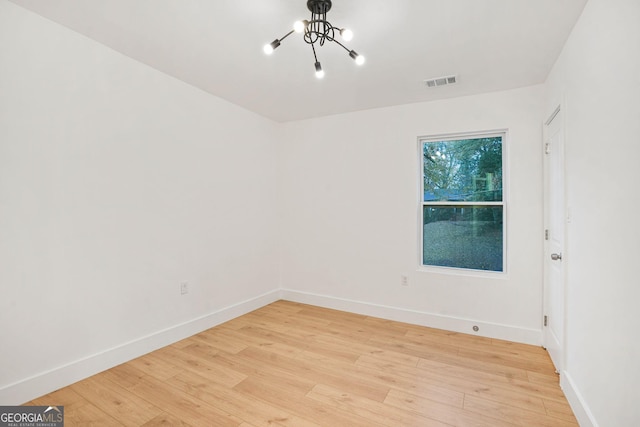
[554, 292]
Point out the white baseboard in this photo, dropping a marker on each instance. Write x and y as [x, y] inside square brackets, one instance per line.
[450, 323]
[46, 382]
[576, 401]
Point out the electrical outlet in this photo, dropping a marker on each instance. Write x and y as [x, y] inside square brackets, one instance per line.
[184, 288]
[404, 280]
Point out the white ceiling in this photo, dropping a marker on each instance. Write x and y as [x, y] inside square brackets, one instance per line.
[216, 45]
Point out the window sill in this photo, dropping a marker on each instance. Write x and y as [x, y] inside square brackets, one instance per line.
[451, 271]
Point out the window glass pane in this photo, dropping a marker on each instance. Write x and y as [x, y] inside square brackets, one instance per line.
[463, 237]
[463, 170]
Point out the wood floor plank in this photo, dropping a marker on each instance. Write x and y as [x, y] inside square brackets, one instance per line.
[389, 327]
[78, 411]
[332, 345]
[301, 405]
[292, 364]
[118, 402]
[386, 379]
[88, 415]
[458, 417]
[218, 339]
[182, 405]
[513, 415]
[308, 344]
[505, 360]
[350, 332]
[559, 409]
[488, 345]
[548, 378]
[519, 347]
[326, 373]
[185, 360]
[255, 320]
[271, 344]
[478, 365]
[125, 375]
[500, 392]
[154, 365]
[264, 371]
[550, 391]
[295, 320]
[66, 397]
[370, 409]
[330, 314]
[250, 410]
[281, 308]
[165, 419]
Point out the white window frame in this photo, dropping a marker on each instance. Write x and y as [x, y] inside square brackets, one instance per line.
[505, 184]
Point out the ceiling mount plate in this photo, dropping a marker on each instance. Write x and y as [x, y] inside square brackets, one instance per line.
[319, 6]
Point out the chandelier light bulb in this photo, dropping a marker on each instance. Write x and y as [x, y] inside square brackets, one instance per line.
[358, 58]
[299, 26]
[269, 48]
[319, 70]
[347, 34]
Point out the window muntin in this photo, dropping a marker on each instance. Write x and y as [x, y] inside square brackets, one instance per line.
[463, 209]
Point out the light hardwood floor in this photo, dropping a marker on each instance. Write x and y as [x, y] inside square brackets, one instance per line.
[298, 365]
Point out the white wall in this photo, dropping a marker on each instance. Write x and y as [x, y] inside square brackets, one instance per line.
[117, 183]
[597, 80]
[350, 200]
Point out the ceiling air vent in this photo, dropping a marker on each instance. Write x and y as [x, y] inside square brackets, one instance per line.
[441, 81]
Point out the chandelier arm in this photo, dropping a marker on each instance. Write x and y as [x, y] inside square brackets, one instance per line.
[287, 35]
[314, 52]
[343, 46]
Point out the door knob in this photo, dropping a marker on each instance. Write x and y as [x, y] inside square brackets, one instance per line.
[556, 257]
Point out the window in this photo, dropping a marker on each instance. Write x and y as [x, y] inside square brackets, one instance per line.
[463, 209]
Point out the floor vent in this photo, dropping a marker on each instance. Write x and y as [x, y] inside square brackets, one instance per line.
[441, 81]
